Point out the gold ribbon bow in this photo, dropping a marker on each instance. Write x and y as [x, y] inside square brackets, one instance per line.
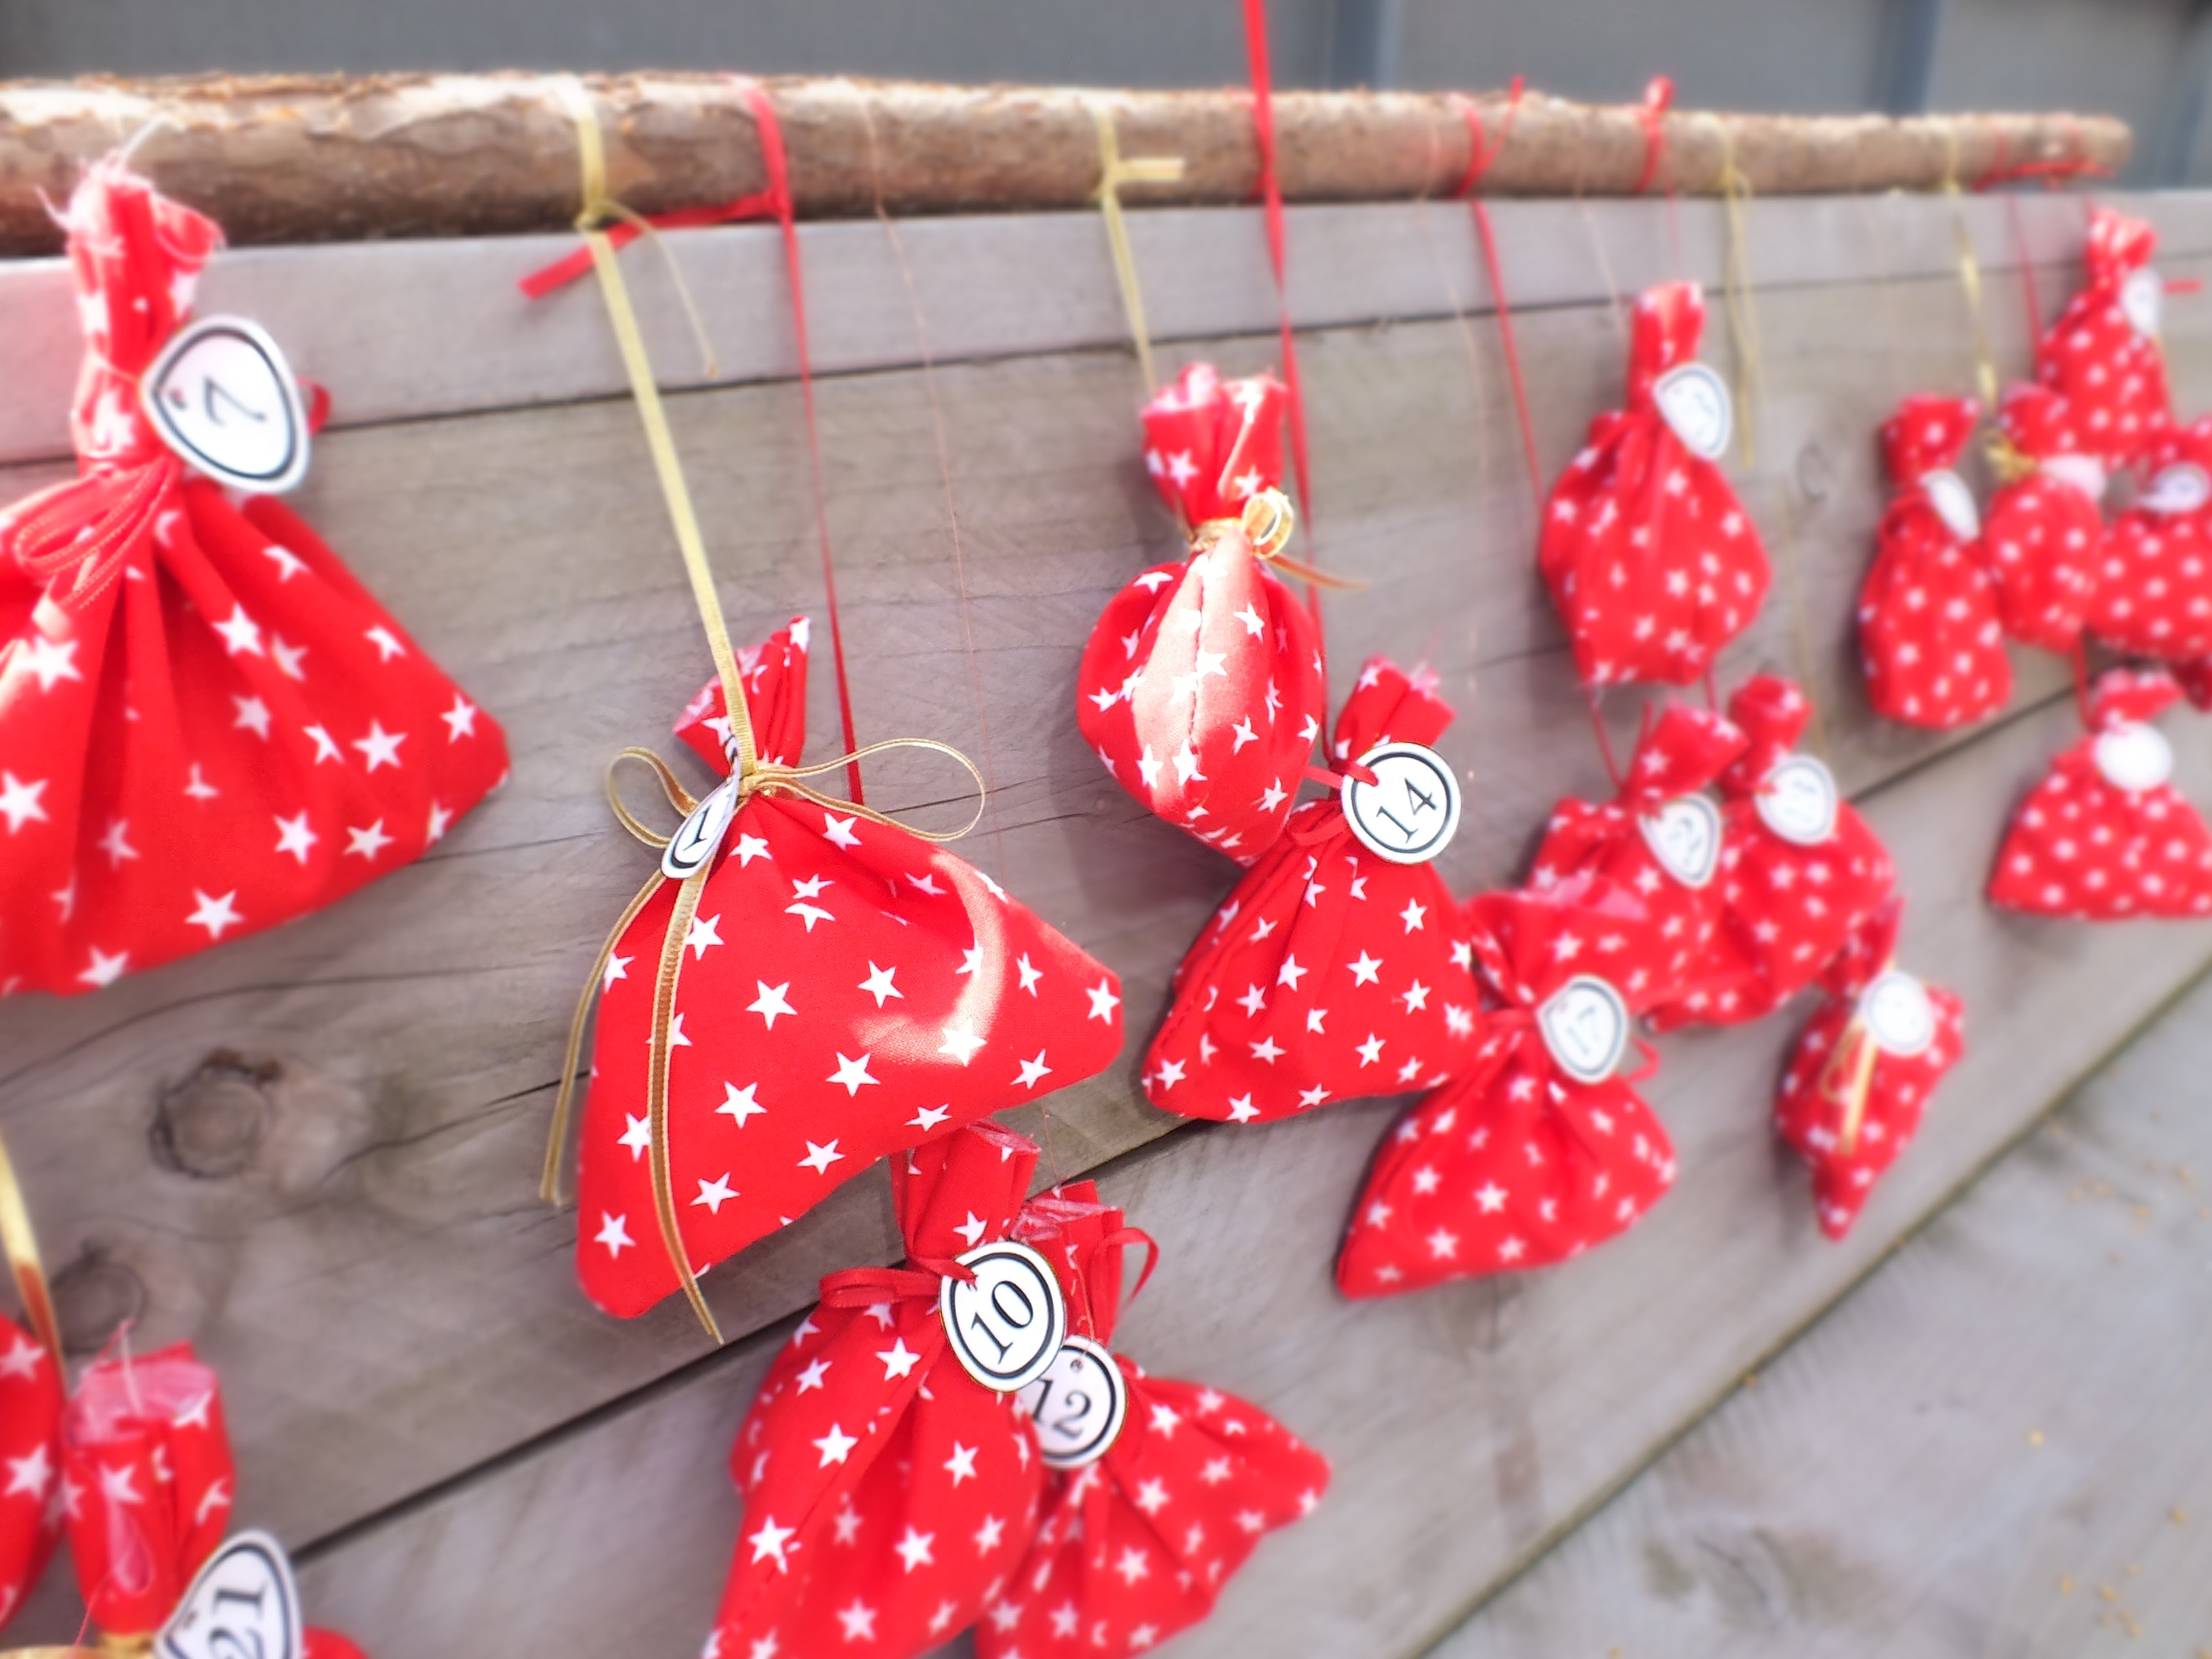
[1265, 524]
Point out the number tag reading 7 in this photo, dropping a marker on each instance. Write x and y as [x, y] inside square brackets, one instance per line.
[1078, 1405]
[1409, 813]
[222, 396]
[242, 1604]
[1007, 1324]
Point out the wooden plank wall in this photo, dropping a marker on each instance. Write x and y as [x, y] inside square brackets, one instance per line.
[424, 1407]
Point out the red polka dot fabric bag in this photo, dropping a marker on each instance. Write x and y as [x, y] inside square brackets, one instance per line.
[2045, 529]
[1333, 971]
[1539, 1152]
[1800, 869]
[889, 1490]
[1652, 562]
[30, 1460]
[1862, 1069]
[207, 725]
[1647, 862]
[1202, 689]
[2154, 593]
[2104, 836]
[2102, 354]
[1930, 638]
[839, 988]
[1159, 1490]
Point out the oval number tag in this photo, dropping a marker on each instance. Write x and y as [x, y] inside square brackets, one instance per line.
[1797, 801]
[2085, 472]
[2142, 297]
[1899, 1016]
[2182, 487]
[1585, 1025]
[1684, 836]
[1694, 401]
[701, 832]
[1410, 812]
[1954, 502]
[1078, 1405]
[242, 1604]
[1005, 1327]
[222, 397]
[2134, 756]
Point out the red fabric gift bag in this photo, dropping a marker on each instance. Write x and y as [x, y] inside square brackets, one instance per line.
[1143, 1524]
[1202, 688]
[1652, 562]
[2104, 835]
[2154, 594]
[889, 1493]
[1862, 1069]
[1331, 972]
[2044, 529]
[848, 989]
[1929, 636]
[30, 1497]
[1541, 1151]
[2102, 352]
[207, 725]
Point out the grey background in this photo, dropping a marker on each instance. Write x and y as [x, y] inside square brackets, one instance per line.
[2149, 61]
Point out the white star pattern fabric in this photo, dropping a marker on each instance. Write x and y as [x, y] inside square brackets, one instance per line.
[30, 1463]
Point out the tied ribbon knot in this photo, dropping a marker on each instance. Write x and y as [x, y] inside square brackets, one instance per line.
[1265, 524]
[921, 1280]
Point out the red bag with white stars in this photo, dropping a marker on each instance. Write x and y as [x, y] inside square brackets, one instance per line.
[1202, 689]
[1800, 868]
[1860, 1076]
[889, 1493]
[2102, 352]
[1539, 1152]
[1143, 1525]
[848, 989]
[30, 1423]
[2154, 595]
[2044, 529]
[207, 725]
[1330, 973]
[1652, 562]
[1930, 636]
[2104, 835]
[1659, 841]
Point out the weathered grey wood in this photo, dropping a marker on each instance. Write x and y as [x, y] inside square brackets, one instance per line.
[1996, 1445]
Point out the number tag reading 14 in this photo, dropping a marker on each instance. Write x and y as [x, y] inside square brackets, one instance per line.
[1078, 1405]
[222, 397]
[1410, 812]
[1005, 1325]
[242, 1604]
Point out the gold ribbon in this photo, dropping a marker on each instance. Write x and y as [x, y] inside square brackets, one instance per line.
[1735, 293]
[1969, 273]
[1113, 174]
[750, 774]
[1265, 524]
[20, 1244]
[1858, 1043]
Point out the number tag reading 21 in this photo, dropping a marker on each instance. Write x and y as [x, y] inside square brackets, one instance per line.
[1078, 1405]
[222, 397]
[1007, 1324]
[242, 1604]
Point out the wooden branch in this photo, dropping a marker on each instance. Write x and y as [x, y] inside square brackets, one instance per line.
[337, 158]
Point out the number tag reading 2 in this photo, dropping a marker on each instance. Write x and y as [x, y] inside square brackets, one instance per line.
[700, 833]
[1078, 1405]
[1797, 801]
[1410, 812]
[222, 397]
[242, 1604]
[1007, 1325]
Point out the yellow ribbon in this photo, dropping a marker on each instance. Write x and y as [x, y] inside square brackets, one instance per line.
[1265, 524]
[21, 1245]
[1969, 273]
[1113, 174]
[1858, 1043]
[750, 773]
[1736, 291]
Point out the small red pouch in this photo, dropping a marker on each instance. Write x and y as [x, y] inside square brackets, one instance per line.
[2102, 352]
[2045, 531]
[2154, 595]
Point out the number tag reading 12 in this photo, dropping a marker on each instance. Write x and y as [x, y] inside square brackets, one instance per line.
[1410, 812]
[222, 397]
[1078, 1405]
[242, 1604]
[1007, 1324]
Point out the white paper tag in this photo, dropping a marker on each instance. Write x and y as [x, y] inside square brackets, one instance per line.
[1585, 1025]
[1077, 1406]
[2182, 487]
[222, 397]
[1954, 502]
[701, 832]
[1898, 1014]
[1797, 800]
[242, 1604]
[2142, 298]
[1411, 812]
[1694, 401]
[2085, 472]
[1684, 836]
[1007, 1326]
[2134, 756]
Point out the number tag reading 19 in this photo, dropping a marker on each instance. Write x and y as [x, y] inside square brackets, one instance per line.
[1078, 1405]
[700, 833]
[1410, 812]
[222, 397]
[1007, 1324]
[242, 1604]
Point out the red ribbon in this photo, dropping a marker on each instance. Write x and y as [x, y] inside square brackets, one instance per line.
[1481, 153]
[1657, 97]
[921, 1280]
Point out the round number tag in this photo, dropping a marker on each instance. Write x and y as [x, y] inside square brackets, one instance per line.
[2182, 487]
[1899, 1016]
[1409, 813]
[242, 1601]
[1684, 836]
[1694, 401]
[1954, 502]
[222, 397]
[1585, 1025]
[701, 832]
[1797, 801]
[1078, 1405]
[2085, 472]
[2134, 756]
[1007, 1325]
[2142, 297]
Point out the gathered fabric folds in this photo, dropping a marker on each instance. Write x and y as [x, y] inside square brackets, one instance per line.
[2045, 529]
[2101, 353]
[2154, 592]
